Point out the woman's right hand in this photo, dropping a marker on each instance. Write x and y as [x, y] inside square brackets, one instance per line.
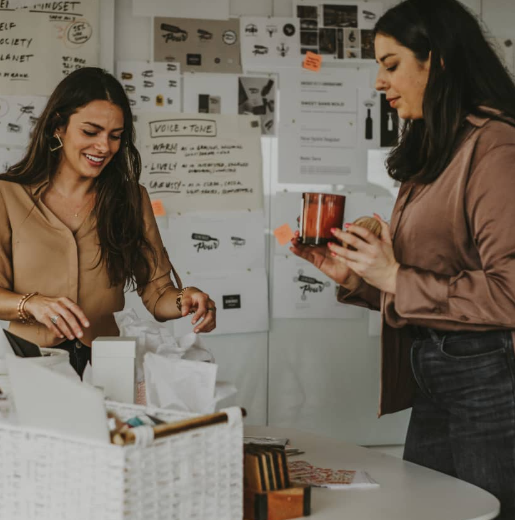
[62, 316]
[320, 257]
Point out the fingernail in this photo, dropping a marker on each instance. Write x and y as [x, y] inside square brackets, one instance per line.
[86, 324]
[330, 244]
[79, 335]
[333, 253]
[333, 230]
[347, 225]
[196, 331]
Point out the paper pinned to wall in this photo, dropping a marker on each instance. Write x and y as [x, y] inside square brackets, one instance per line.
[202, 162]
[18, 115]
[9, 156]
[300, 290]
[241, 300]
[154, 87]
[269, 42]
[40, 45]
[214, 9]
[340, 31]
[217, 241]
[230, 94]
[318, 128]
[199, 45]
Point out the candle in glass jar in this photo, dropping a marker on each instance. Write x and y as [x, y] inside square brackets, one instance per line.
[320, 213]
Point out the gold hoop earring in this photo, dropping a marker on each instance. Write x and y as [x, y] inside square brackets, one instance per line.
[55, 143]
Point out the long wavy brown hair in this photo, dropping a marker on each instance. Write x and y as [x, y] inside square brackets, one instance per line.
[124, 249]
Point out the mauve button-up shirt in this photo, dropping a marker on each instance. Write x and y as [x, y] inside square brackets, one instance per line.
[455, 242]
[40, 253]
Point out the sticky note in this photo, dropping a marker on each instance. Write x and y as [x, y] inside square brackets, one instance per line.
[312, 61]
[283, 234]
[159, 209]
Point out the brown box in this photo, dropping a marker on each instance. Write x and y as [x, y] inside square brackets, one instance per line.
[292, 502]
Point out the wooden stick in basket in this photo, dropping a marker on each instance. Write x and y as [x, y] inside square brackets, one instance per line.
[128, 435]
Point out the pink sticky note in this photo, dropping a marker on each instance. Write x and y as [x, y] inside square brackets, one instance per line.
[283, 234]
[159, 209]
[312, 61]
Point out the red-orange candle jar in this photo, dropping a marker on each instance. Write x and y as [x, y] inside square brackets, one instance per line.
[320, 212]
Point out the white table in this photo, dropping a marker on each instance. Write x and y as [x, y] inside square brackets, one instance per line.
[407, 491]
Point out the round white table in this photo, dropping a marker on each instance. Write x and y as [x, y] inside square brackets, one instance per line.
[407, 491]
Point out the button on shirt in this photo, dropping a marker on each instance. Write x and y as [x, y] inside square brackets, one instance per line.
[40, 253]
[455, 244]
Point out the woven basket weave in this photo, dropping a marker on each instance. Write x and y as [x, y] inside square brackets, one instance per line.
[196, 474]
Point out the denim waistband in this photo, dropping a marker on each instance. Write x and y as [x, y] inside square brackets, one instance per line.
[437, 334]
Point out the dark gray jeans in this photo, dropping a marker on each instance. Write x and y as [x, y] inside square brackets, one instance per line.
[463, 417]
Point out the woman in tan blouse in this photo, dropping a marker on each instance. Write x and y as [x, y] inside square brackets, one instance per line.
[76, 227]
[443, 272]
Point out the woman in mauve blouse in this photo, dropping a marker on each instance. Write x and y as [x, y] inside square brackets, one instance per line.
[443, 272]
[76, 227]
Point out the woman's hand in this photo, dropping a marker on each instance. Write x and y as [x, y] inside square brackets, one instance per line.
[201, 306]
[62, 316]
[373, 258]
[321, 258]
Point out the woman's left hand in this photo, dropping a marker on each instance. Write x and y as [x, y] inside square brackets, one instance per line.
[203, 308]
[373, 258]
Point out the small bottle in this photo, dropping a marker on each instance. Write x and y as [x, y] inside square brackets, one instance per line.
[368, 126]
[389, 122]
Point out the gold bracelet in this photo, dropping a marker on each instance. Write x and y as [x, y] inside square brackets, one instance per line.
[178, 300]
[22, 313]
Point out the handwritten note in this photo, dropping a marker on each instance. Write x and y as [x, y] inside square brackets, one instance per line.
[18, 115]
[312, 61]
[196, 163]
[41, 44]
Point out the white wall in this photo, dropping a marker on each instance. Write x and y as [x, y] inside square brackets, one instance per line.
[318, 375]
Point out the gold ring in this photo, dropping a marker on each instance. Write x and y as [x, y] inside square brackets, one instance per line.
[211, 309]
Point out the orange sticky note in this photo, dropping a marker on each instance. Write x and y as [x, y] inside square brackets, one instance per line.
[283, 234]
[159, 209]
[312, 61]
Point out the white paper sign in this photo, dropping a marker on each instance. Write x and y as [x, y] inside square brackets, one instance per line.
[154, 87]
[300, 290]
[230, 94]
[338, 30]
[269, 42]
[42, 44]
[210, 93]
[214, 9]
[9, 156]
[241, 300]
[217, 241]
[318, 128]
[202, 163]
[199, 45]
[18, 115]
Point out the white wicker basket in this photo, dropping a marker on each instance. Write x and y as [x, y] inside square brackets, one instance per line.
[196, 474]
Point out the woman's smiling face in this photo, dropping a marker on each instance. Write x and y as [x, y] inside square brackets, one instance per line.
[402, 77]
[91, 139]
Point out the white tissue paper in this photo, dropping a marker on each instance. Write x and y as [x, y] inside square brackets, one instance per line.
[179, 373]
[152, 336]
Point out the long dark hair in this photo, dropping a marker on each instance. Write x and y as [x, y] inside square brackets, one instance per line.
[465, 74]
[124, 249]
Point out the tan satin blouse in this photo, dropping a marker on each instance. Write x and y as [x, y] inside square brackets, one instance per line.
[455, 241]
[39, 253]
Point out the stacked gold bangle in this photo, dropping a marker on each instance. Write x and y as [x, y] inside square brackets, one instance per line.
[24, 316]
[178, 300]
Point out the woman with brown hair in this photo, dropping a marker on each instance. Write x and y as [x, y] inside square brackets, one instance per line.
[443, 272]
[76, 227]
